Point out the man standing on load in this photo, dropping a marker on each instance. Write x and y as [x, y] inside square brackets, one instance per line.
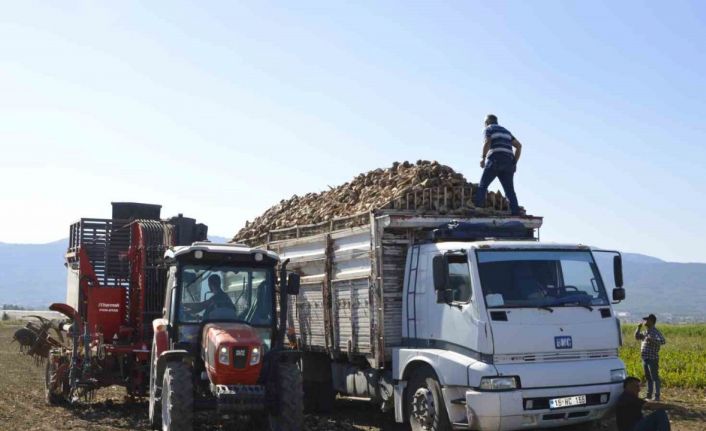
[501, 162]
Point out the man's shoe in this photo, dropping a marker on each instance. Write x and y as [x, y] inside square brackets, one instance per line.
[656, 398]
[648, 396]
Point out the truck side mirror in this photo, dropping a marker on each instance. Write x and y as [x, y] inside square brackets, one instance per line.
[618, 270]
[441, 272]
[293, 283]
[618, 294]
[444, 296]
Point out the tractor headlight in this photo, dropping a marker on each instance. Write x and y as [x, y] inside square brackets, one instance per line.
[224, 355]
[618, 375]
[255, 355]
[499, 383]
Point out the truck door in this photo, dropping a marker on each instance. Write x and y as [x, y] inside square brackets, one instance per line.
[445, 317]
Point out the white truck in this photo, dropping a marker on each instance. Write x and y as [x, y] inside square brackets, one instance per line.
[454, 321]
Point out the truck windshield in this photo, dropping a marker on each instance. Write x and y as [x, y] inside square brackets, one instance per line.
[226, 293]
[528, 278]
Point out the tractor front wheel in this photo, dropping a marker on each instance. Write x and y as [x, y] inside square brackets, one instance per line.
[177, 398]
[290, 416]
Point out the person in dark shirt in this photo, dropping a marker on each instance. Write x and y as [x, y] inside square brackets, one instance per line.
[219, 299]
[628, 410]
[503, 151]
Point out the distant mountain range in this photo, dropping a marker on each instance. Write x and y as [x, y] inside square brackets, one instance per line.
[33, 275]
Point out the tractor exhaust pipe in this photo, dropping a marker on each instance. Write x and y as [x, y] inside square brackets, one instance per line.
[283, 297]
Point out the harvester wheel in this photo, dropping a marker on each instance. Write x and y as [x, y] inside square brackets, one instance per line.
[291, 405]
[177, 398]
[51, 394]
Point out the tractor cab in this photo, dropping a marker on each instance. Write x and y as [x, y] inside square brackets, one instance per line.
[211, 284]
[220, 326]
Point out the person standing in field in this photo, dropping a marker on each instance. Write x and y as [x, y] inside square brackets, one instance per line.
[628, 410]
[501, 163]
[652, 340]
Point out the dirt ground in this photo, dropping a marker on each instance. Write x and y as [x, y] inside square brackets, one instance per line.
[22, 406]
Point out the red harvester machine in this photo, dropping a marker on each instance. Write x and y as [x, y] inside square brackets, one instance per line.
[115, 289]
[154, 307]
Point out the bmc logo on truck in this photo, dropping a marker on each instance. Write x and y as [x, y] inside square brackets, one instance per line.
[563, 342]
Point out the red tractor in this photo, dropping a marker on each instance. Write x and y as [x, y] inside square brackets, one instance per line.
[152, 306]
[219, 345]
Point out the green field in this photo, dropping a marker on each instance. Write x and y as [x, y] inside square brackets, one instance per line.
[682, 361]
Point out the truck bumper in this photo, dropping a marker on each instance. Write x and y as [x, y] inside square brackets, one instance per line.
[526, 409]
[239, 398]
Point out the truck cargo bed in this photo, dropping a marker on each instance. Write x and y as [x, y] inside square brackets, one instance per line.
[350, 303]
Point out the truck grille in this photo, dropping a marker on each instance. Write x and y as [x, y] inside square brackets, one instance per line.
[555, 356]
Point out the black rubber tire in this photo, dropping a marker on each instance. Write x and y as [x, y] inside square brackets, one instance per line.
[425, 378]
[51, 397]
[177, 398]
[155, 404]
[290, 416]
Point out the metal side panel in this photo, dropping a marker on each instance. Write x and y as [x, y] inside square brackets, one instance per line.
[310, 317]
[351, 255]
[352, 313]
[72, 287]
[350, 288]
[395, 243]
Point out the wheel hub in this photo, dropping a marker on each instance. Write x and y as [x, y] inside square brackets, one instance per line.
[423, 408]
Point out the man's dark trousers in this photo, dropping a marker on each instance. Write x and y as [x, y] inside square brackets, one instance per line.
[651, 368]
[655, 421]
[502, 166]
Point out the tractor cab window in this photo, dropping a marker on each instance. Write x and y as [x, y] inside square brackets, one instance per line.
[226, 293]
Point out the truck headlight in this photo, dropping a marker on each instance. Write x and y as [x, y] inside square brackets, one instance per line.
[499, 383]
[618, 375]
[224, 355]
[255, 355]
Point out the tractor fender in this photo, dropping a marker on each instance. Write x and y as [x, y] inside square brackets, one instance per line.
[171, 356]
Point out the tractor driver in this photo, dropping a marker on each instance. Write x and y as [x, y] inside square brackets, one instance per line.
[219, 299]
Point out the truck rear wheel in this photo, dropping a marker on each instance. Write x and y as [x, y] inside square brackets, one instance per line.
[425, 403]
[291, 405]
[177, 398]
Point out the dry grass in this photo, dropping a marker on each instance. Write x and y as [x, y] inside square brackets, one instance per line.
[22, 405]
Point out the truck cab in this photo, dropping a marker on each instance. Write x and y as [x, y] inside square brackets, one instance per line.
[506, 334]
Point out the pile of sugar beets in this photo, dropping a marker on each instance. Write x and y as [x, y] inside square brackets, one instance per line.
[400, 186]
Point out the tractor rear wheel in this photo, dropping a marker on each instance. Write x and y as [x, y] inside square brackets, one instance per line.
[177, 398]
[290, 416]
[155, 406]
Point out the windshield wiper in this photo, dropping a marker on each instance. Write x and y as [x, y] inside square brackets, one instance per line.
[586, 306]
[544, 307]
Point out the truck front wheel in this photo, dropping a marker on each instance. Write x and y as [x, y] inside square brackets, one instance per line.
[177, 398]
[425, 403]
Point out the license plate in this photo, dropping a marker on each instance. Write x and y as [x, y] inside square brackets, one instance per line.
[557, 403]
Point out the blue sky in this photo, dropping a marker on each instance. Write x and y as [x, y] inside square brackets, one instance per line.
[220, 111]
